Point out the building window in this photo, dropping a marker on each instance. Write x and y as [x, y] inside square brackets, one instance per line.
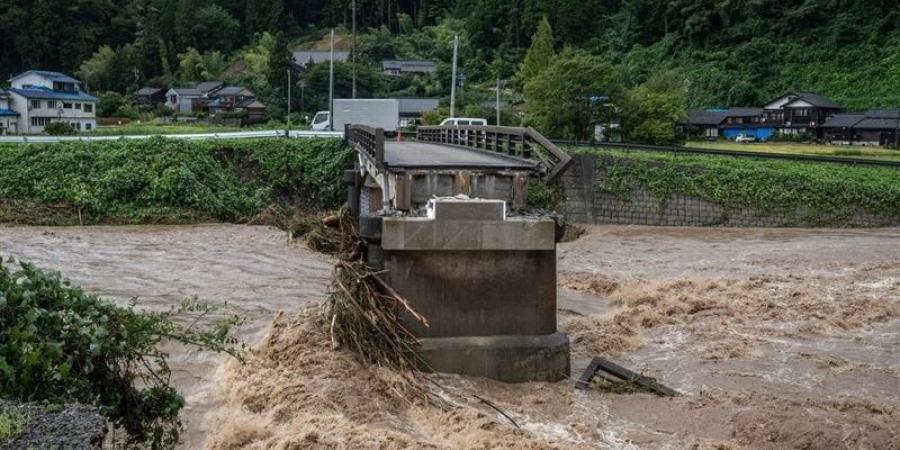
[35, 104]
[87, 126]
[78, 106]
[67, 105]
[51, 104]
[88, 107]
[40, 121]
[802, 112]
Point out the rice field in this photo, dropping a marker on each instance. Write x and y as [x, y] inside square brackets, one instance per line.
[801, 149]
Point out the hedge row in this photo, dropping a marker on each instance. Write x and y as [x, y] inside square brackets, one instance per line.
[166, 180]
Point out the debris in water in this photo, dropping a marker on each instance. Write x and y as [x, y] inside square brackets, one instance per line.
[615, 373]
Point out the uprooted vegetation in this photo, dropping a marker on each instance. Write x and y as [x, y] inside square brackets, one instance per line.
[161, 180]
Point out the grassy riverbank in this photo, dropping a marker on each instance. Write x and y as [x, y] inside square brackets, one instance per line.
[169, 181]
[855, 151]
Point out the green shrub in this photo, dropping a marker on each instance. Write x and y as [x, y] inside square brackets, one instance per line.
[59, 129]
[168, 180]
[62, 345]
[12, 423]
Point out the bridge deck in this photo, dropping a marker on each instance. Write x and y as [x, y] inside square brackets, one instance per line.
[421, 155]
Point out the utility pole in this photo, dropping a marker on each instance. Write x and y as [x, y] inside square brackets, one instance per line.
[289, 103]
[453, 81]
[331, 85]
[498, 100]
[353, 52]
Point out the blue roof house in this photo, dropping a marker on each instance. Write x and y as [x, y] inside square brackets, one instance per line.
[40, 97]
[9, 119]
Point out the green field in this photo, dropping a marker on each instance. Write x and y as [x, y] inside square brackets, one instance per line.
[801, 149]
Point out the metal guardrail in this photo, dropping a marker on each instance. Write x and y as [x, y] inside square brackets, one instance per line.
[196, 136]
[368, 140]
[735, 153]
[525, 143]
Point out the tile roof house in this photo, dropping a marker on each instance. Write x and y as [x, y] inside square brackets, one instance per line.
[190, 100]
[704, 123]
[875, 127]
[302, 59]
[412, 108]
[408, 66]
[149, 96]
[40, 97]
[800, 113]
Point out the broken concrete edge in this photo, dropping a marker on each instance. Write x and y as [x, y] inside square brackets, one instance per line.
[461, 223]
[511, 359]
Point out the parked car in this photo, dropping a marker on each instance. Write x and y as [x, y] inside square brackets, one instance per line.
[455, 121]
[744, 138]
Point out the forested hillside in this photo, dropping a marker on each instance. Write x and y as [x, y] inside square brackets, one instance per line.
[724, 52]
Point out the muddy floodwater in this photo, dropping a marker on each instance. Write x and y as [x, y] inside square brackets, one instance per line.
[776, 338]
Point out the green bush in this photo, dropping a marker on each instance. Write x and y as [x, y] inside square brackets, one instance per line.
[168, 180]
[59, 129]
[62, 345]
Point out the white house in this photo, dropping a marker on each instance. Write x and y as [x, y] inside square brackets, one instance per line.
[9, 119]
[41, 97]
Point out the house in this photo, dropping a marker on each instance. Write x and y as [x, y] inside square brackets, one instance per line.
[800, 113]
[149, 96]
[190, 100]
[875, 127]
[412, 109]
[230, 99]
[9, 119]
[40, 97]
[181, 100]
[747, 121]
[302, 59]
[408, 66]
[256, 110]
[705, 123]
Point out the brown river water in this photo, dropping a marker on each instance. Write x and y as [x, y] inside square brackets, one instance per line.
[777, 339]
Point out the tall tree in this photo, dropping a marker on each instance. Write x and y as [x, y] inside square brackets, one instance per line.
[574, 93]
[539, 54]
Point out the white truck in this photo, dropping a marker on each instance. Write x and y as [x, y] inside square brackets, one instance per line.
[376, 113]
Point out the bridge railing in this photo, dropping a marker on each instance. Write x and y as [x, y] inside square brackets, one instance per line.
[525, 143]
[368, 140]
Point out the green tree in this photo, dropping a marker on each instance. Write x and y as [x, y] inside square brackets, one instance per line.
[281, 61]
[196, 66]
[574, 93]
[540, 54]
[95, 71]
[652, 110]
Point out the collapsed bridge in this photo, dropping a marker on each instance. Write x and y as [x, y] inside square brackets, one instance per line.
[445, 217]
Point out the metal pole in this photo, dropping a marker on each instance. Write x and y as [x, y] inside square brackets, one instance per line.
[353, 51]
[453, 79]
[331, 85]
[288, 131]
[498, 101]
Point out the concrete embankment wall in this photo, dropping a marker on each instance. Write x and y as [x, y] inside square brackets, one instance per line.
[588, 200]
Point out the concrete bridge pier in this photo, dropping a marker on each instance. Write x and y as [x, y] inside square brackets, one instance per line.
[455, 243]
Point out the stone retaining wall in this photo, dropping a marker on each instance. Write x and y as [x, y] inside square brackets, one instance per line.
[586, 203]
